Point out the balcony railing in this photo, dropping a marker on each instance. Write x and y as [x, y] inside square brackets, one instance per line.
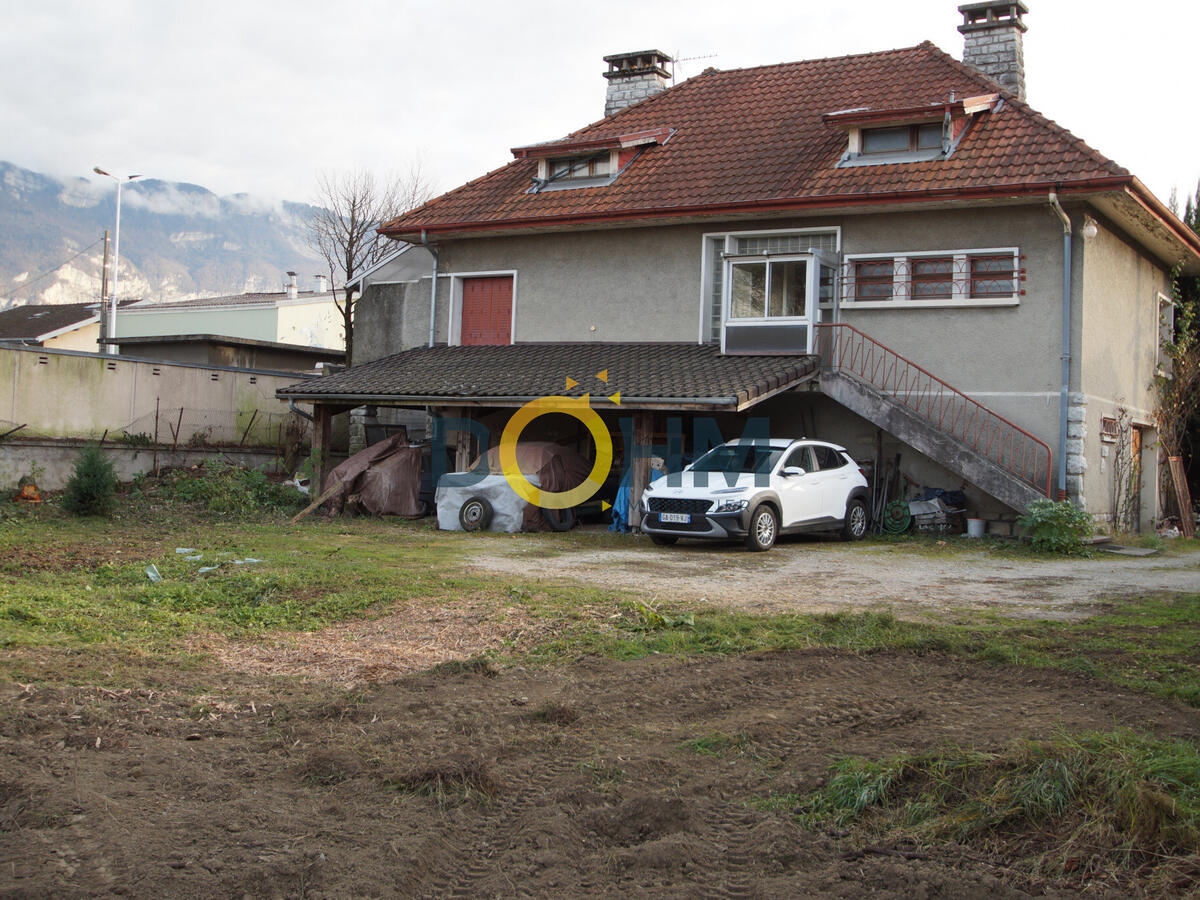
[845, 349]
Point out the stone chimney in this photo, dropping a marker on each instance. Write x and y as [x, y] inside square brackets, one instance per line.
[320, 283]
[633, 77]
[293, 290]
[993, 42]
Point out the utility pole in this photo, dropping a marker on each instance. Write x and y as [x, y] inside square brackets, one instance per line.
[104, 298]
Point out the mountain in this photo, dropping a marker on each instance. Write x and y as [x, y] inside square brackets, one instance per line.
[177, 240]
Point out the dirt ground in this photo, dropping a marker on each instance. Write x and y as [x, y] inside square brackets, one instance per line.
[355, 775]
[568, 782]
[810, 575]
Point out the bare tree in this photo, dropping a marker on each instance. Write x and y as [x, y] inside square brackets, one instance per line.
[350, 207]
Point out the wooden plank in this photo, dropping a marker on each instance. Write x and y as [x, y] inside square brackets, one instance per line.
[1183, 497]
[335, 489]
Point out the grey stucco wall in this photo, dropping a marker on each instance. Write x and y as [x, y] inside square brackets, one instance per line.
[629, 285]
[1006, 357]
[645, 284]
[389, 318]
[1119, 327]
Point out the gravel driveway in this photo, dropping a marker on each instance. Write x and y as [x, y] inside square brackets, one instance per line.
[805, 575]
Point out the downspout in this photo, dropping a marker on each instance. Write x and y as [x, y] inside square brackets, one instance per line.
[1063, 396]
[432, 287]
[298, 411]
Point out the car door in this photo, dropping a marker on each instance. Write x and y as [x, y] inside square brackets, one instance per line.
[834, 477]
[799, 495]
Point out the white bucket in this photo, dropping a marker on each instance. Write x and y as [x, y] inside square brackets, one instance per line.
[976, 528]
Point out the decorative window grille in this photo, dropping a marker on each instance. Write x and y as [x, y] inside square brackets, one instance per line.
[948, 277]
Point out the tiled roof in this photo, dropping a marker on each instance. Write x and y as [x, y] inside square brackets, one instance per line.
[754, 138]
[646, 375]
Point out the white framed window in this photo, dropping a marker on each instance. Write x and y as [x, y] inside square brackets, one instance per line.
[902, 139]
[581, 170]
[595, 166]
[768, 271]
[978, 277]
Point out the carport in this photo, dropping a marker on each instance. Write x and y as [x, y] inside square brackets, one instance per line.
[636, 389]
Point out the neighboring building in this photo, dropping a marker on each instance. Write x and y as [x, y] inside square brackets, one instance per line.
[232, 352]
[70, 326]
[294, 317]
[808, 242]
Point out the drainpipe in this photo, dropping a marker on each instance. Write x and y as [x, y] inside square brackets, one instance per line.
[298, 411]
[1063, 397]
[432, 288]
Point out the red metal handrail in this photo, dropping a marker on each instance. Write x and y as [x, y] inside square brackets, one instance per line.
[844, 348]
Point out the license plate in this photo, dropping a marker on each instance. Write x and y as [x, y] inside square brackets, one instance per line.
[677, 518]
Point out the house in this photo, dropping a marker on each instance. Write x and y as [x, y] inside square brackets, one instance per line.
[229, 352]
[291, 318]
[68, 326]
[890, 250]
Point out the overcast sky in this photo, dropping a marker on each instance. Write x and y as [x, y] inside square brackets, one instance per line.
[261, 96]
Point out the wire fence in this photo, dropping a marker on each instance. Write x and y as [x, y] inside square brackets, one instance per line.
[183, 426]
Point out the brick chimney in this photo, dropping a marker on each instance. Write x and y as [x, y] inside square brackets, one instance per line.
[321, 285]
[633, 77]
[993, 43]
[293, 290]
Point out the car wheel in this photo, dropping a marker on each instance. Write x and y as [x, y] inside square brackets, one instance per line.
[559, 519]
[663, 540]
[423, 509]
[855, 524]
[476, 514]
[764, 526]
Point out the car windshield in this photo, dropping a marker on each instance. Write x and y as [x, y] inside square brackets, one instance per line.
[746, 458]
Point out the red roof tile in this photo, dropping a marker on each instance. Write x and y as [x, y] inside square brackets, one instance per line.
[755, 139]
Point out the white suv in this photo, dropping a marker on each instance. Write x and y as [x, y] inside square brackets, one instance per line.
[757, 490]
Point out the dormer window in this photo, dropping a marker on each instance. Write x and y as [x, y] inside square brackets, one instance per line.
[909, 134]
[592, 162]
[911, 138]
[597, 166]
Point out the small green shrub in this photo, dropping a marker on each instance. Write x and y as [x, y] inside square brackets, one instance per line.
[1056, 527]
[92, 488]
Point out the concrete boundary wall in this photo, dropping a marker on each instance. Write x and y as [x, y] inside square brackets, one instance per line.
[70, 395]
[51, 462]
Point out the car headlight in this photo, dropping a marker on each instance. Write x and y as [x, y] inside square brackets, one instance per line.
[731, 506]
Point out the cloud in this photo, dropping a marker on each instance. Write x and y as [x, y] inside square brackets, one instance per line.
[167, 199]
[252, 205]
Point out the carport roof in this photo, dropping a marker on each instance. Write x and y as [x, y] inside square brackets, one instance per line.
[644, 375]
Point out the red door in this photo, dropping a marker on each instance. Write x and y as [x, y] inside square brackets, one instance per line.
[487, 310]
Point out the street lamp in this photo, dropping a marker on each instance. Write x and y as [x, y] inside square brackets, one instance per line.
[112, 297]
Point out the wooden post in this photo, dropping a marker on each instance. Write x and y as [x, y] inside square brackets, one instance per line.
[157, 400]
[463, 454]
[322, 439]
[643, 439]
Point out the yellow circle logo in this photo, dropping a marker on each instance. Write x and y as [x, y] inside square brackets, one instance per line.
[578, 408]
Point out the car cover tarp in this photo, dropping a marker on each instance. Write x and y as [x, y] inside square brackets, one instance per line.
[383, 480]
[556, 468]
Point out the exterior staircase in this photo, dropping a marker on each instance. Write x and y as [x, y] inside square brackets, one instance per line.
[940, 421]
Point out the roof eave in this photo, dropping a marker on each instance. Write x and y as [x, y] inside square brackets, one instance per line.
[823, 203]
[666, 403]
